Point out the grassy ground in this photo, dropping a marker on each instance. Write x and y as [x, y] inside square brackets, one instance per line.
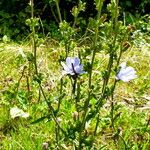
[132, 101]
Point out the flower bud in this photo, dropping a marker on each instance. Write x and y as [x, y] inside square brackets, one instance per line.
[104, 17]
[130, 28]
[126, 45]
[75, 115]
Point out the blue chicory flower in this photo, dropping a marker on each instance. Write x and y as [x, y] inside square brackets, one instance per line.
[126, 73]
[72, 66]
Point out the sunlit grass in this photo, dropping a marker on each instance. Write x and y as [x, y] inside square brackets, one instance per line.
[132, 119]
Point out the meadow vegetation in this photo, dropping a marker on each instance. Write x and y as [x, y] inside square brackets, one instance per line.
[72, 91]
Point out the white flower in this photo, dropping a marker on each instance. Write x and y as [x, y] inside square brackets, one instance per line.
[16, 112]
[72, 66]
[87, 125]
[45, 146]
[126, 73]
[21, 52]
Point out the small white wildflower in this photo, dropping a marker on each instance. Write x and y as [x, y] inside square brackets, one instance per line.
[45, 146]
[87, 125]
[16, 112]
[21, 52]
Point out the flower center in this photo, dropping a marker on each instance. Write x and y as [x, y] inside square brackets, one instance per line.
[73, 68]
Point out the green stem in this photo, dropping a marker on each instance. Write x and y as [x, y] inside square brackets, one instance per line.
[19, 81]
[74, 85]
[66, 48]
[104, 87]
[58, 10]
[112, 105]
[90, 76]
[54, 14]
[28, 88]
[50, 108]
[59, 100]
[74, 23]
[33, 38]
[112, 92]
[109, 66]
[77, 98]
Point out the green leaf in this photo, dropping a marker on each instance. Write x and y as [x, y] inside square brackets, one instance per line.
[40, 119]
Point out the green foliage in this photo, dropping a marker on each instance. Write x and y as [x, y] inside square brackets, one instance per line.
[14, 14]
[13, 25]
[76, 10]
[90, 107]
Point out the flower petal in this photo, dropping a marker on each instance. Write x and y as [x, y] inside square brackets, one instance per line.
[72, 66]
[76, 61]
[69, 62]
[78, 69]
[126, 73]
[123, 65]
[67, 68]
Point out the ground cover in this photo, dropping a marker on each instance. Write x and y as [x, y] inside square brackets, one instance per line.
[87, 87]
[131, 111]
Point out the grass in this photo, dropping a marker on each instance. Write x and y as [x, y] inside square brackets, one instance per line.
[131, 110]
